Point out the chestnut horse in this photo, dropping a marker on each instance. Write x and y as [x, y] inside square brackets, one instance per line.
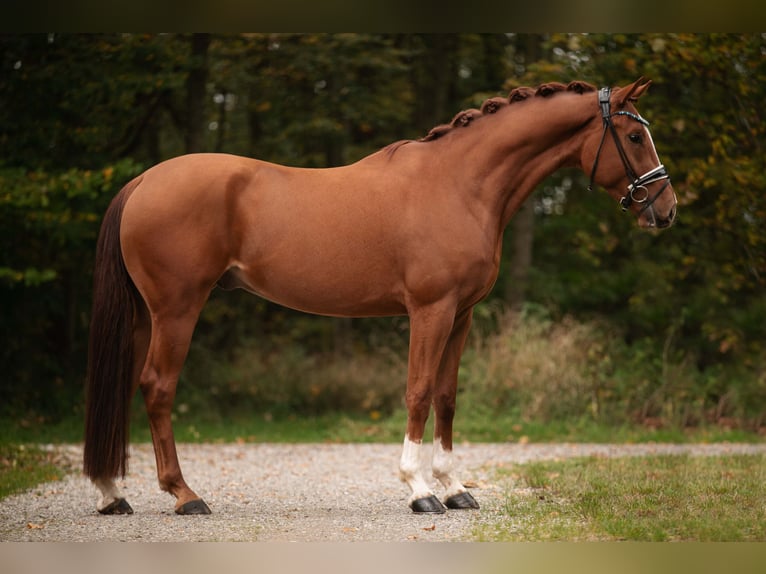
[414, 229]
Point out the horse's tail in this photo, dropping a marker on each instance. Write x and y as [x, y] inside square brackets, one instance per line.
[110, 351]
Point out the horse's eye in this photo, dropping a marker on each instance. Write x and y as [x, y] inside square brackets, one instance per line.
[635, 138]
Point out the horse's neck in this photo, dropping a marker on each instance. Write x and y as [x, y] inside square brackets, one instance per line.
[503, 158]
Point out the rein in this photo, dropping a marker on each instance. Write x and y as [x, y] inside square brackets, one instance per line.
[638, 182]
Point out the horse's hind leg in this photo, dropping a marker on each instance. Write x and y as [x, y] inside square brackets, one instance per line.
[170, 339]
[112, 501]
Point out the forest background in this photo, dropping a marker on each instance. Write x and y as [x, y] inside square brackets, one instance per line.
[591, 321]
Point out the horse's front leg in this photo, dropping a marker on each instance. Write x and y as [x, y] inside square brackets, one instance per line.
[456, 495]
[430, 328]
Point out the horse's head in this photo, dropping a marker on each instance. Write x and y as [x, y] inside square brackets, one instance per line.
[624, 160]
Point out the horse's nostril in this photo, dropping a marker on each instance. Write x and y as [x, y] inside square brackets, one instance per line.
[666, 222]
[672, 216]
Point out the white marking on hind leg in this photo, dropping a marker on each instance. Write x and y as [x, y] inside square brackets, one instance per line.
[411, 472]
[441, 464]
[109, 492]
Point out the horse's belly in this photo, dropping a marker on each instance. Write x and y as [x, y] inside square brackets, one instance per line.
[324, 290]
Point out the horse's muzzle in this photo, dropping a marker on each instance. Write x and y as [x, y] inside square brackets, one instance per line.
[663, 223]
[650, 218]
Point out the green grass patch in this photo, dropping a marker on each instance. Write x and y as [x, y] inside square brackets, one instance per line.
[24, 466]
[657, 498]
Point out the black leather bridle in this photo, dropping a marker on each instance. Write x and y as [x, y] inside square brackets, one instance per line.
[637, 190]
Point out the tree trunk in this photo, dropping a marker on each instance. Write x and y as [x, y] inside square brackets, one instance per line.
[196, 89]
[434, 81]
[522, 239]
[523, 223]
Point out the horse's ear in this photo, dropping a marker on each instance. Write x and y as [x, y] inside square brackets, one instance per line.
[632, 92]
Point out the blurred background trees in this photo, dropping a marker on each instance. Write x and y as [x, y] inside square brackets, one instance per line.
[81, 114]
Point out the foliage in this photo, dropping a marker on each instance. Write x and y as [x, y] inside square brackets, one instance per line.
[292, 380]
[523, 375]
[554, 371]
[48, 227]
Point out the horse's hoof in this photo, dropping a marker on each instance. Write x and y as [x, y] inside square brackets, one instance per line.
[197, 506]
[427, 505]
[461, 500]
[118, 506]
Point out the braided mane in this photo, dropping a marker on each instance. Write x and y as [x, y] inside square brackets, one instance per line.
[490, 106]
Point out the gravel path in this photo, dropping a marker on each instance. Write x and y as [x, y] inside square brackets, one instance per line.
[277, 492]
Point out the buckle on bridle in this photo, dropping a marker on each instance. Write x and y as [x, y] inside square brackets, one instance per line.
[604, 94]
[650, 176]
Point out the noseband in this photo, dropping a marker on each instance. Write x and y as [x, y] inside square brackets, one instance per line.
[637, 190]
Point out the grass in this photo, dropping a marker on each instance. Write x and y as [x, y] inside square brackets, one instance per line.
[473, 423]
[657, 498]
[22, 467]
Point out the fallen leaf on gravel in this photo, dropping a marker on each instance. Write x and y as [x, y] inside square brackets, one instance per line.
[33, 526]
[432, 527]
[477, 484]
